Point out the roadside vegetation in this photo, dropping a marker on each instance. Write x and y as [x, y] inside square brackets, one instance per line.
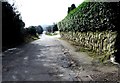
[13, 28]
[51, 34]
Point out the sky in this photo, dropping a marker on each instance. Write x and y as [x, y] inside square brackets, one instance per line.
[43, 12]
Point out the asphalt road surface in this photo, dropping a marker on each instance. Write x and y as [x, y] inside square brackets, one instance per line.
[40, 60]
[48, 59]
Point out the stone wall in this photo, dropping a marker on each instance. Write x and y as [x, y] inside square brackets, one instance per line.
[101, 43]
[94, 25]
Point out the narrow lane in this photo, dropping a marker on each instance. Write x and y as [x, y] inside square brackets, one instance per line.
[51, 59]
[41, 60]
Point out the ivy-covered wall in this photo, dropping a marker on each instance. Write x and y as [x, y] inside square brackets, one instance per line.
[92, 16]
[94, 25]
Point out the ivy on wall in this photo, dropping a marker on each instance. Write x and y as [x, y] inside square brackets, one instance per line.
[92, 16]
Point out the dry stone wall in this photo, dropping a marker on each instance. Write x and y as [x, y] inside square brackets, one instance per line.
[101, 43]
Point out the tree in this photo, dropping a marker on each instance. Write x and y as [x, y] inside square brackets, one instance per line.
[12, 26]
[49, 29]
[32, 30]
[55, 28]
[39, 29]
[71, 8]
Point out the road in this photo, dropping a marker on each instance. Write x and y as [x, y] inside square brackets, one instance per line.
[48, 59]
[40, 60]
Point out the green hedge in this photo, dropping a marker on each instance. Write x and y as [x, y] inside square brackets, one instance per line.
[92, 16]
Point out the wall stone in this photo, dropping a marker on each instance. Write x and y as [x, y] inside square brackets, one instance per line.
[101, 43]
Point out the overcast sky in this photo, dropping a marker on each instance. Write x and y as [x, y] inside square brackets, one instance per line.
[42, 12]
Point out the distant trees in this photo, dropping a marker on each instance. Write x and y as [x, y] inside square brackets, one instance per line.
[39, 29]
[52, 28]
[12, 26]
[71, 8]
[49, 28]
[55, 28]
[33, 30]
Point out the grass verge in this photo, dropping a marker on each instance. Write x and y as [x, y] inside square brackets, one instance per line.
[50, 34]
[30, 38]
